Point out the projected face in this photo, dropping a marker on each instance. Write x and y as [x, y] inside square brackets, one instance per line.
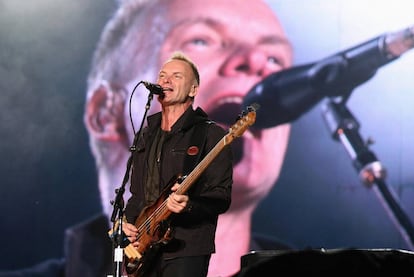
[235, 44]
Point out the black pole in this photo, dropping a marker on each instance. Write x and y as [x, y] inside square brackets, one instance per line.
[345, 127]
[118, 211]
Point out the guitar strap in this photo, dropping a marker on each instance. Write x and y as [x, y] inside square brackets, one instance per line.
[198, 139]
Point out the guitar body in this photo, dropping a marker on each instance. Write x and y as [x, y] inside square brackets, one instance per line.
[154, 231]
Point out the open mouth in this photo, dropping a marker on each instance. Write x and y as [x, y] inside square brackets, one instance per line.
[225, 115]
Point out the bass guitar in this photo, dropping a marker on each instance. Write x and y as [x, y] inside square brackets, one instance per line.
[153, 222]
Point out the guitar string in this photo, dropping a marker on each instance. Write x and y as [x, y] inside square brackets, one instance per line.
[208, 159]
[197, 169]
[160, 209]
[163, 205]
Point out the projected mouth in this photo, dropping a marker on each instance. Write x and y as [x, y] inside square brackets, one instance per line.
[225, 114]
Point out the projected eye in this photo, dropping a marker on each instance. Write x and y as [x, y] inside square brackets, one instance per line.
[199, 42]
[273, 64]
[279, 58]
[273, 60]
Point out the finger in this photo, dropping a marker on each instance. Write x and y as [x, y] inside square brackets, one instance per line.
[172, 206]
[182, 199]
[130, 227]
[175, 187]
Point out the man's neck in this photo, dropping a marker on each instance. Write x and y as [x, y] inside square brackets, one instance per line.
[170, 115]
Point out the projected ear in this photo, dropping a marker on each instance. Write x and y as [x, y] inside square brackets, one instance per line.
[193, 91]
[104, 113]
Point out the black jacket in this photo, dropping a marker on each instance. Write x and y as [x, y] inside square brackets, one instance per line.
[210, 194]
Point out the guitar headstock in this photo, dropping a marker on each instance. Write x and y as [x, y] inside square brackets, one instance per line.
[244, 120]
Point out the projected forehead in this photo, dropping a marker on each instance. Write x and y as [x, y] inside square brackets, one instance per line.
[203, 26]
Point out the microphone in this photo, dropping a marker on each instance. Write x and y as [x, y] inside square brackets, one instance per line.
[285, 95]
[154, 88]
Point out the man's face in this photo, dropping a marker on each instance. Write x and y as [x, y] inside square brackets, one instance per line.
[177, 79]
[235, 44]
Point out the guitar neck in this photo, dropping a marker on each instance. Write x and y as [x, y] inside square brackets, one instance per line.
[199, 169]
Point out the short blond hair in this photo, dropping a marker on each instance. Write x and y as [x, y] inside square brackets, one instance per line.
[178, 55]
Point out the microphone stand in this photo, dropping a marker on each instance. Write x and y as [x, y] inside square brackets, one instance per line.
[119, 240]
[344, 127]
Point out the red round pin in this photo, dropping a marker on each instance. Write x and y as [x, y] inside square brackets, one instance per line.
[192, 150]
